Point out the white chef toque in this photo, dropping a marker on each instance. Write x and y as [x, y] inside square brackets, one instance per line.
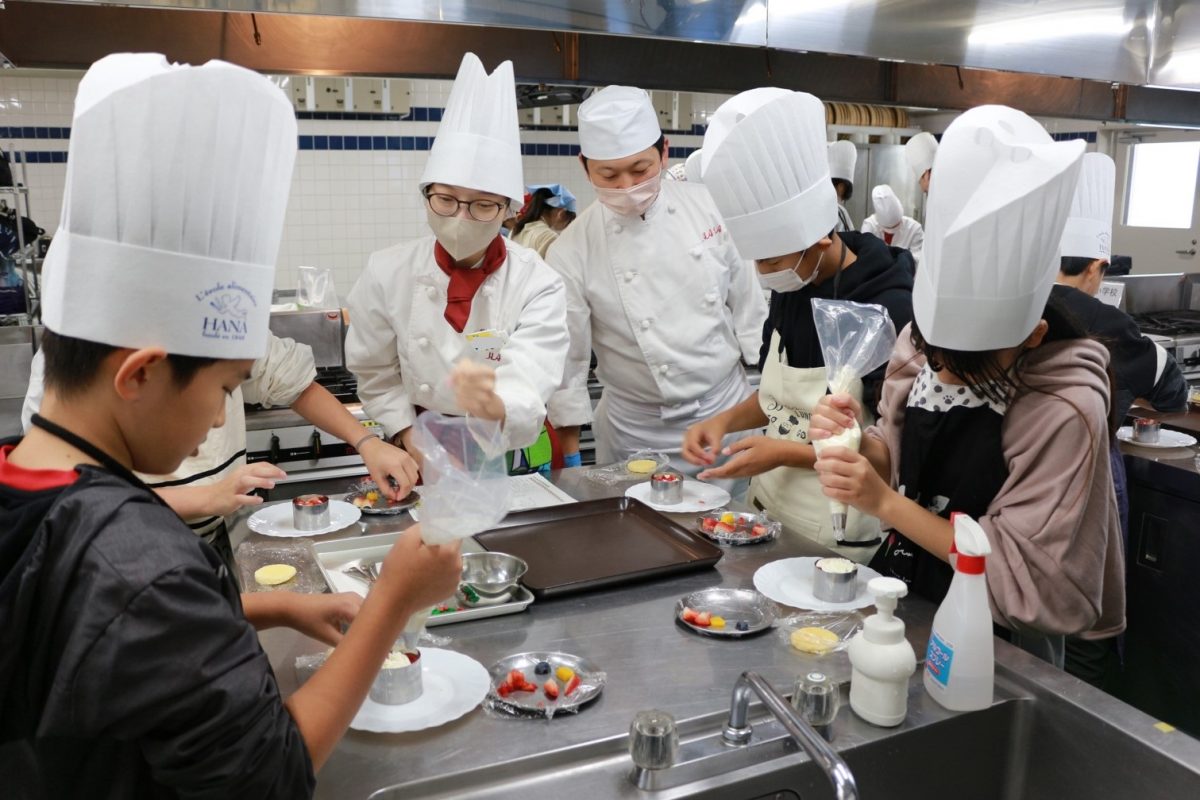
[993, 224]
[843, 155]
[617, 122]
[1089, 227]
[691, 167]
[920, 151]
[478, 144]
[177, 183]
[888, 211]
[768, 172]
[733, 111]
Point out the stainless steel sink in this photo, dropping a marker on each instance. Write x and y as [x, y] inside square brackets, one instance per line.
[1046, 736]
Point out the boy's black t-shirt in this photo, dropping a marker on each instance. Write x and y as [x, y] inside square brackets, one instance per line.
[127, 668]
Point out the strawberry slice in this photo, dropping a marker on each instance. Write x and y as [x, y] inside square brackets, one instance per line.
[708, 524]
[515, 678]
[551, 689]
[689, 615]
[703, 619]
[504, 690]
[572, 685]
[758, 530]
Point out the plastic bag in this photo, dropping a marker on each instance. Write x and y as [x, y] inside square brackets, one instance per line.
[855, 338]
[620, 472]
[466, 489]
[315, 288]
[801, 629]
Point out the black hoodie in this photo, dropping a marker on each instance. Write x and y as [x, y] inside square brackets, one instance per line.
[127, 668]
[881, 274]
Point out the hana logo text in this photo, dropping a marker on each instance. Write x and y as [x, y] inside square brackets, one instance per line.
[226, 307]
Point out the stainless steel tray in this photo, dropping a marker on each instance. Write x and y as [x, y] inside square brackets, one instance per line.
[333, 554]
[734, 606]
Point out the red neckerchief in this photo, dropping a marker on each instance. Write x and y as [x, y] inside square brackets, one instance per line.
[465, 282]
[32, 480]
[887, 237]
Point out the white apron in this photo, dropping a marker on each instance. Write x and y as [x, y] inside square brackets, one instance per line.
[793, 495]
[622, 427]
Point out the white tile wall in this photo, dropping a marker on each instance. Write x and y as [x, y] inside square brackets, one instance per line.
[343, 205]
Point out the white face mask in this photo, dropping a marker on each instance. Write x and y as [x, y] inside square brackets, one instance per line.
[634, 201]
[461, 237]
[787, 280]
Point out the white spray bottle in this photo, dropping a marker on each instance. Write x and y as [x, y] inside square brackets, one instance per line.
[882, 659]
[960, 663]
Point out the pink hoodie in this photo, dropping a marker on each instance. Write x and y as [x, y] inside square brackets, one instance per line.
[1057, 563]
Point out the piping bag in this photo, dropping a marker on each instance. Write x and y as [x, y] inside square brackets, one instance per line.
[466, 489]
[856, 339]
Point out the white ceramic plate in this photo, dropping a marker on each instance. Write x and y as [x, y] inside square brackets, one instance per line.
[1166, 439]
[276, 520]
[453, 685]
[789, 581]
[698, 497]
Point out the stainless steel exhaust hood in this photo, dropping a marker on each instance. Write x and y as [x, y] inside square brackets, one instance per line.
[1081, 58]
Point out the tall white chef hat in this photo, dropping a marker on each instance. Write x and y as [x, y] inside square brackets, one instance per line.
[888, 211]
[730, 113]
[920, 151]
[176, 189]
[843, 155]
[1089, 227]
[768, 172]
[478, 144]
[691, 167]
[617, 122]
[993, 225]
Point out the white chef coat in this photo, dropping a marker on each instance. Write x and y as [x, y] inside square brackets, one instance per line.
[908, 236]
[401, 348]
[666, 303]
[276, 380]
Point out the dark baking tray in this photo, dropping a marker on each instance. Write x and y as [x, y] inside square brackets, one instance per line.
[598, 543]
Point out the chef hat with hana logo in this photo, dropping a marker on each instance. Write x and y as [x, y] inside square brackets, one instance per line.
[993, 226]
[617, 122]
[1089, 228]
[478, 143]
[766, 166]
[177, 183]
[888, 211]
[920, 151]
[843, 156]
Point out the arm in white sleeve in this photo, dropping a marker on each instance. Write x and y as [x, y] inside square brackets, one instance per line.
[571, 404]
[746, 303]
[35, 391]
[917, 245]
[532, 366]
[371, 354]
[282, 375]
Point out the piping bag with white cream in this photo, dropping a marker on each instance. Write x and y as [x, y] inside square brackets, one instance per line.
[466, 489]
[856, 338]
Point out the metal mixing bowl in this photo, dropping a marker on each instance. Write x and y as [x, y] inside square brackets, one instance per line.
[492, 574]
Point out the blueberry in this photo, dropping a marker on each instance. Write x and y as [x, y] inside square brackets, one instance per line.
[542, 668]
[742, 625]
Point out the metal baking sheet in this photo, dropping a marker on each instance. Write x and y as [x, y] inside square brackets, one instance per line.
[333, 554]
[597, 544]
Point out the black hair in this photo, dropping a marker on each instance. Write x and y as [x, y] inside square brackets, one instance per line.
[838, 183]
[1075, 265]
[538, 206]
[72, 364]
[660, 145]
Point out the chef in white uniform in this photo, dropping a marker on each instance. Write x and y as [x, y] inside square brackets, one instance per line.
[654, 286]
[780, 207]
[464, 295]
[843, 157]
[920, 151]
[890, 223]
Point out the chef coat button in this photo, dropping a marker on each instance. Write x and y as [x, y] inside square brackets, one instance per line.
[670, 209]
[424, 388]
[645, 324]
[695, 252]
[617, 228]
[431, 291]
[710, 298]
[664, 369]
[423, 342]
[629, 276]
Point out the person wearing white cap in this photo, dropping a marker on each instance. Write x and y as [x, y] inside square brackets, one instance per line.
[890, 223]
[779, 205]
[996, 402]
[132, 669]
[843, 156]
[920, 152]
[464, 321]
[549, 210]
[655, 288]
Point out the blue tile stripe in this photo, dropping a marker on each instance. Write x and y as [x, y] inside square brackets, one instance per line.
[31, 132]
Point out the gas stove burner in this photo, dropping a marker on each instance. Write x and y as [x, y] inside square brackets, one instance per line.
[340, 382]
[1169, 323]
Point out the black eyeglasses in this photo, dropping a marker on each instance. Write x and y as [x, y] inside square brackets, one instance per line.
[445, 205]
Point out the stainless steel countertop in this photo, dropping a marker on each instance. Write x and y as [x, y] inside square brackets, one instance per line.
[629, 632]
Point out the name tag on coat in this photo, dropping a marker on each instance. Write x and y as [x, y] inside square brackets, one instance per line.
[485, 346]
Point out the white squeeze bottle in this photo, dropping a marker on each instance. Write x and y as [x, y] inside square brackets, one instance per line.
[960, 663]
